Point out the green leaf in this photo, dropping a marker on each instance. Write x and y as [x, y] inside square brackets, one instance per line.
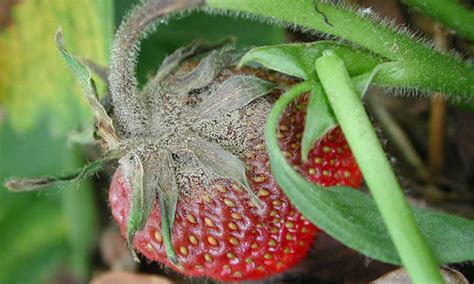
[297, 59]
[351, 216]
[319, 120]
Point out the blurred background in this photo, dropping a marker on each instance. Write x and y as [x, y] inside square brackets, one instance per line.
[67, 235]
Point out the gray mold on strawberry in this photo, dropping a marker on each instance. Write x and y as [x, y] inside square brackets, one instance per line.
[202, 121]
[185, 129]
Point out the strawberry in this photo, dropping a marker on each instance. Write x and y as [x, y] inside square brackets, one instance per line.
[221, 234]
[330, 162]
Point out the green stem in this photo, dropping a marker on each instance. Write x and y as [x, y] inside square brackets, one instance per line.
[448, 12]
[421, 67]
[380, 178]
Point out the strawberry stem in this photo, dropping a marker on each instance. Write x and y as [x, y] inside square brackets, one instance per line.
[379, 175]
[131, 112]
[420, 67]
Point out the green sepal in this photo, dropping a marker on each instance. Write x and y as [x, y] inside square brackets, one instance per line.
[320, 117]
[104, 123]
[234, 93]
[318, 121]
[154, 177]
[198, 46]
[224, 164]
[207, 70]
[42, 183]
[362, 81]
[166, 181]
[166, 228]
[160, 172]
[352, 217]
[297, 59]
[141, 197]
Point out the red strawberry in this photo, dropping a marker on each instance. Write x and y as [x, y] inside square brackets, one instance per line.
[330, 162]
[222, 236]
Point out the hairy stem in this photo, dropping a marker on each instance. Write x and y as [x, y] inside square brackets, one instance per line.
[130, 111]
[421, 67]
[449, 12]
[382, 182]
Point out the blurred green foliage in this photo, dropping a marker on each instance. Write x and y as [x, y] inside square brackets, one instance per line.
[36, 80]
[43, 231]
[44, 235]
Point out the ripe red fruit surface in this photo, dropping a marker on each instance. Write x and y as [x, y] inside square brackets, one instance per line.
[222, 235]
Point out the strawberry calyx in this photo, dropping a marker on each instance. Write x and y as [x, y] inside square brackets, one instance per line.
[183, 109]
